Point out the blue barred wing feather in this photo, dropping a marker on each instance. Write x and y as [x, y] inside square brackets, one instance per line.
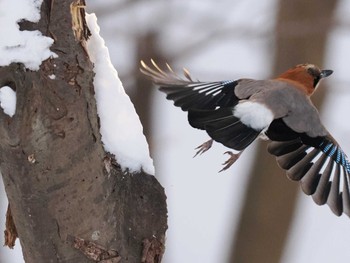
[319, 164]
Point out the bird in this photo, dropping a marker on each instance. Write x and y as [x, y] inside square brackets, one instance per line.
[237, 112]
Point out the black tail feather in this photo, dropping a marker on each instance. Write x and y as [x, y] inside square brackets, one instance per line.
[200, 118]
[223, 127]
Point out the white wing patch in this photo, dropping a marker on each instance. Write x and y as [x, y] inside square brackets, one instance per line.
[254, 115]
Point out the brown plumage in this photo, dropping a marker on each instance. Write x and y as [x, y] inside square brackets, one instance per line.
[303, 77]
[236, 112]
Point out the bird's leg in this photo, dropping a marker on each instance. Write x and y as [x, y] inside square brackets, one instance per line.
[203, 147]
[234, 157]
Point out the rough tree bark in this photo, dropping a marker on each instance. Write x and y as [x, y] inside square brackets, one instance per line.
[69, 199]
[268, 209]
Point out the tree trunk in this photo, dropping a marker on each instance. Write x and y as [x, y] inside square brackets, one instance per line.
[143, 91]
[70, 201]
[268, 209]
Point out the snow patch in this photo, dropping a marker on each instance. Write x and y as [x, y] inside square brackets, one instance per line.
[27, 47]
[253, 114]
[8, 100]
[121, 130]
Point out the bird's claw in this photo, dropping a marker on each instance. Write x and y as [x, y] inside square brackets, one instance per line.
[203, 147]
[234, 157]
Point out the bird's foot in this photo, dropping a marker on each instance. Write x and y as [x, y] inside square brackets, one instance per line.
[234, 157]
[203, 147]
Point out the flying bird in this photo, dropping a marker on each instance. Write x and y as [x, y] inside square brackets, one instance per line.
[236, 112]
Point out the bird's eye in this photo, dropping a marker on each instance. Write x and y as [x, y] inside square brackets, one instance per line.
[316, 80]
[316, 74]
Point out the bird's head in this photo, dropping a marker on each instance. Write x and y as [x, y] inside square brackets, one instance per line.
[305, 76]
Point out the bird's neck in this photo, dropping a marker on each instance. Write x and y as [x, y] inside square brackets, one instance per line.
[300, 79]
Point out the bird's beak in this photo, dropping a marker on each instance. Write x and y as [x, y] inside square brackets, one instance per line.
[326, 72]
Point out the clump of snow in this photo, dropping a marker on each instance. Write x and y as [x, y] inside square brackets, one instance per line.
[27, 47]
[8, 100]
[121, 129]
[52, 76]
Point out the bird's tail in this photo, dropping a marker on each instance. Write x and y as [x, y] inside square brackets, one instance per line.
[223, 127]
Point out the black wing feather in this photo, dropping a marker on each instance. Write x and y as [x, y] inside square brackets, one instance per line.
[204, 95]
[319, 170]
[189, 94]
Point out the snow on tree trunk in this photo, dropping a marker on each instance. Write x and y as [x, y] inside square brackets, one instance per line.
[71, 201]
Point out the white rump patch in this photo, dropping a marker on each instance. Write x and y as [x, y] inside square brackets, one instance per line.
[254, 115]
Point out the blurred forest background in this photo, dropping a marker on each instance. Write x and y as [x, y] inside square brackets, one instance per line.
[252, 212]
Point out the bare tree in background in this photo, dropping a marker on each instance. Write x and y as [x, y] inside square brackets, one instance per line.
[143, 90]
[70, 200]
[301, 34]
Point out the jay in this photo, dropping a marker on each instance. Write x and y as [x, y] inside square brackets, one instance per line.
[236, 112]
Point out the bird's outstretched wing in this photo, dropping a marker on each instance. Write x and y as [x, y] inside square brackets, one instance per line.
[209, 104]
[189, 94]
[317, 162]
